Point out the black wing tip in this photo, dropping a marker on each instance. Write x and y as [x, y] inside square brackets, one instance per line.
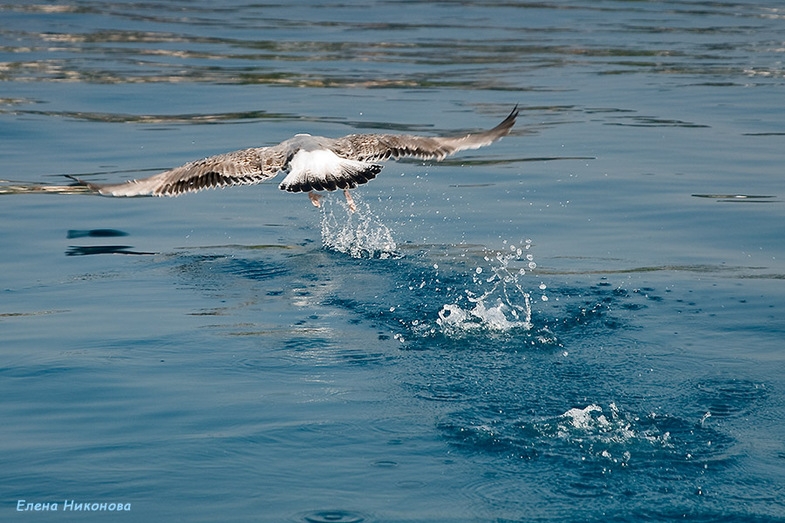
[510, 120]
[506, 125]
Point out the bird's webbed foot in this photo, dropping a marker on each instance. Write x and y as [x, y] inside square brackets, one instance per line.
[349, 200]
[316, 199]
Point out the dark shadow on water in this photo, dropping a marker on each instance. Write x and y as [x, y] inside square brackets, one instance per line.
[89, 250]
[95, 233]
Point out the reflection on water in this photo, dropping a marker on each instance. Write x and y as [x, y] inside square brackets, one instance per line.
[9, 187]
[194, 118]
[90, 250]
[252, 43]
[96, 233]
[742, 198]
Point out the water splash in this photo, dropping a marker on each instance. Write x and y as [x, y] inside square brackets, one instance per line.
[493, 302]
[498, 302]
[594, 425]
[604, 436]
[360, 234]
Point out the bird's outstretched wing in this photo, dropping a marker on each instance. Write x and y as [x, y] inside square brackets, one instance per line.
[378, 147]
[348, 162]
[244, 167]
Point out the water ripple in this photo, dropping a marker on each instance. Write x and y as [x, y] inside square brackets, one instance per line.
[585, 447]
[725, 397]
[157, 42]
[333, 516]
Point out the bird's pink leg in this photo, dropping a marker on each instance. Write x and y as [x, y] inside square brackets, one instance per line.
[315, 199]
[349, 200]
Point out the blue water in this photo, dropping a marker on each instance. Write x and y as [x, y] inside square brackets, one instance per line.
[581, 322]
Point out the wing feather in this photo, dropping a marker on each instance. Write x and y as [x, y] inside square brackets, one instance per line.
[244, 167]
[379, 147]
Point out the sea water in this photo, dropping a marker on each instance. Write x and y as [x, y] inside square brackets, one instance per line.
[582, 321]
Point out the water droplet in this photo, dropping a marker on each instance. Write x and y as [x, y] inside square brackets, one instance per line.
[362, 235]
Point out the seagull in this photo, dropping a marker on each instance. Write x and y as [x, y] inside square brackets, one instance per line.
[311, 163]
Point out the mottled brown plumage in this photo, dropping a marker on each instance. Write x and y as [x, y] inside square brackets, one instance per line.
[311, 163]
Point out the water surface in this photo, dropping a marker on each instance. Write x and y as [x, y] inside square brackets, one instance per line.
[581, 322]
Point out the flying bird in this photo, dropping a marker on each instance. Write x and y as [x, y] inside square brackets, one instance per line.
[311, 163]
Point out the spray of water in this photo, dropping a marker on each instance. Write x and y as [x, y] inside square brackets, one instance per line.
[360, 234]
[493, 299]
[497, 301]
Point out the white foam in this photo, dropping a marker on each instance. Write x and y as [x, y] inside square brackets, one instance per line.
[497, 302]
[607, 433]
